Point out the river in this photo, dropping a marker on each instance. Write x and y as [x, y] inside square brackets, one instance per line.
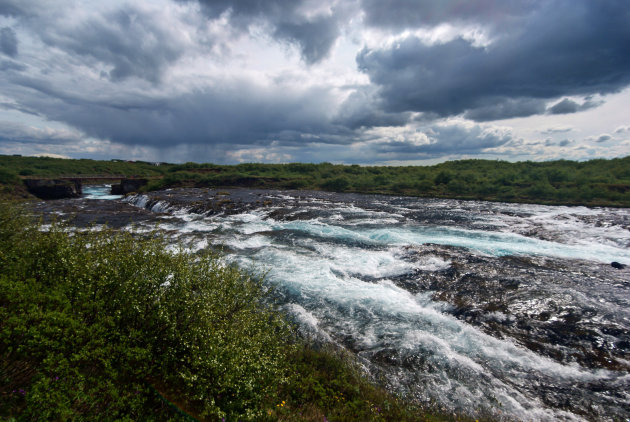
[507, 311]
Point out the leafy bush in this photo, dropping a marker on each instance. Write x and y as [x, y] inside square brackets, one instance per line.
[7, 177]
[338, 184]
[102, 319]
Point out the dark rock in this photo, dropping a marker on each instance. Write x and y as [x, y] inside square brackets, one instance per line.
[128, 185]
[617, 265]
[54, 188]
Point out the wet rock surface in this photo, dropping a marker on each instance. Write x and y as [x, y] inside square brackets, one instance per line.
[574, 312]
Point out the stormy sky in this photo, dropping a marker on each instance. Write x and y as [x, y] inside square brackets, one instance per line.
[344, 81]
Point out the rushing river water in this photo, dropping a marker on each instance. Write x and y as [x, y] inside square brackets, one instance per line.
[509, 311]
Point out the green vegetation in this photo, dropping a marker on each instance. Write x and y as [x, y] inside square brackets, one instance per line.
[47, 167]
[112, 326]
[595, 182]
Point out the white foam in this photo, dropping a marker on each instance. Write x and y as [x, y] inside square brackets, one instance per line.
[432, 263]
[248, 242]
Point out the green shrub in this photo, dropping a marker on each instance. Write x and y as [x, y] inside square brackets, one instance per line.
[337, 184]
[443, 177]
[8, 177]
[101, 320]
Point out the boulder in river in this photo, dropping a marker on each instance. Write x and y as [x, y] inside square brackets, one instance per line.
[617, 265]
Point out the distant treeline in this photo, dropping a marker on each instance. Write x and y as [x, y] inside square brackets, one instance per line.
[594, 182]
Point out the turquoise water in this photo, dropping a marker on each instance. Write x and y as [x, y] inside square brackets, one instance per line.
[99, 192]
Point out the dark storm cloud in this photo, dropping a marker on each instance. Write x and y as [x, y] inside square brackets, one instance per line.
[506, 108]
[397, 14]
[8, 42]
[236, 113]
[12, 8]
[314, 35]
[128, 41]
[315, 38]
[363, 109]
[561, 48]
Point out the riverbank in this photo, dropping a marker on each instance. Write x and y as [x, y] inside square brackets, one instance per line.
[591, 183]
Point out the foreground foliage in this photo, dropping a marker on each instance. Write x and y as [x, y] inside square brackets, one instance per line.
[594, 182]
[106, 326]
[94, 318]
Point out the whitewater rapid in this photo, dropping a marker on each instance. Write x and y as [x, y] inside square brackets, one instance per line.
[506, 311]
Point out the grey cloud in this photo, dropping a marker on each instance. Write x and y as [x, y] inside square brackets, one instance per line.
[551, 143]
[462, 139]
[622, 129]
[567, 106]
[244, 11]
[21, 133]
[314, 35]
[506, 108]
[12, 8]
[233, 113]
[451, 139]
[556, 130]
[363, 109]
[129, 41]
[32, 8]
[14, 106]
[7, 65]
[562, 48]
[603, 138]
[315, 38]
[411, 14]
[8, 42]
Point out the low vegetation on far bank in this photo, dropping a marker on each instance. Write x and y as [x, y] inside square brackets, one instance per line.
[594, 183]
[104, 325]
